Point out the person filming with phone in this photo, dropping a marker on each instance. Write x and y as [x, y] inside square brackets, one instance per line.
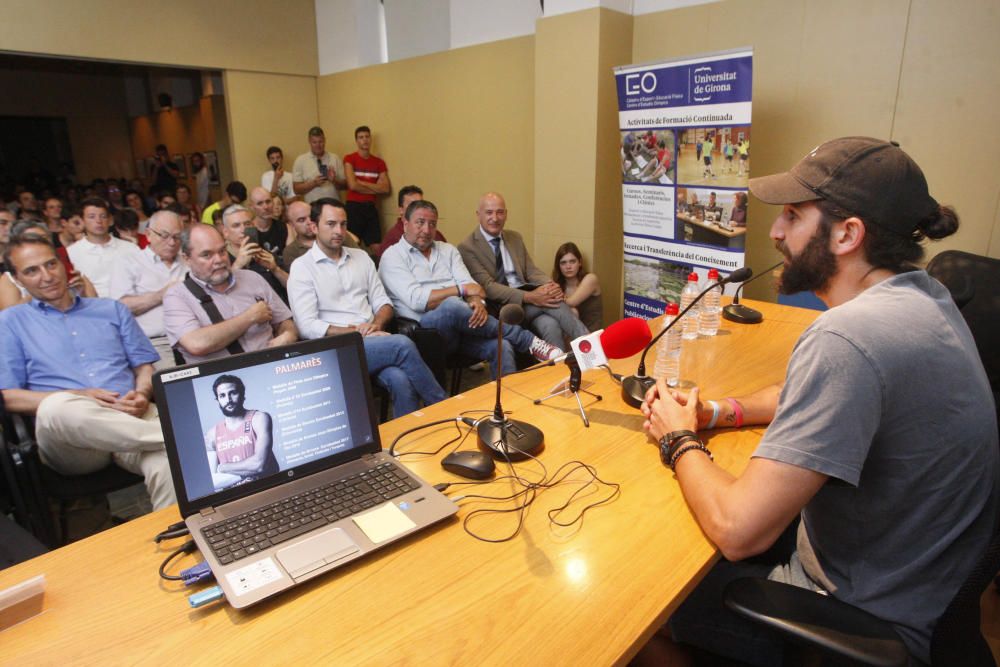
[245, 251]
[318, 174]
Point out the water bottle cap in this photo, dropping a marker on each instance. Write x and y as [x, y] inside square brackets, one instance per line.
[672, 309]
[713, 274]
[692, 277]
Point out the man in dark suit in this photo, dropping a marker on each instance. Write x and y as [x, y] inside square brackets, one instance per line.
[499, 261]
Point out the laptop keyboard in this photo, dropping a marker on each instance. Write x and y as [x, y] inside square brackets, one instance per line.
[249, 533]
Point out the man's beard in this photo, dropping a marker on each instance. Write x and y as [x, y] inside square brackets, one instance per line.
[233, 411]
[812, 269]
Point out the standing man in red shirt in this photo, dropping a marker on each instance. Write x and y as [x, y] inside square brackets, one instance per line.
[367, 176]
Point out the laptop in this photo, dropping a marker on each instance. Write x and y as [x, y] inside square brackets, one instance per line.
[278, 466]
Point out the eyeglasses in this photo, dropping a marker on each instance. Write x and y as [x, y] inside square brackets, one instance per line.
[164, 236]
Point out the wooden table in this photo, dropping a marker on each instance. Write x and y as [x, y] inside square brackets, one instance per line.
[589, 595]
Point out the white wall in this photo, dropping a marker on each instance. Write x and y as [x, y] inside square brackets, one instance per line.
[480, 21]
[353, 33]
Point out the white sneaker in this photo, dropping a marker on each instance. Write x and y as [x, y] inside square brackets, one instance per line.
[543, 350]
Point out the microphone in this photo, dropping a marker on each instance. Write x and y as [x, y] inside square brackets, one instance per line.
[737, 312]
[634, 387]
[507, 439]
[617, 341]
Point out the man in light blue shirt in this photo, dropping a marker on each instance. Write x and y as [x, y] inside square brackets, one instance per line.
[84, 368]
[428, 282]
[334, 289]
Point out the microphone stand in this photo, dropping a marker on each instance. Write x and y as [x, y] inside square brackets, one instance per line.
[634, 387]
[741, 314]
[572, 386]
[507, 439]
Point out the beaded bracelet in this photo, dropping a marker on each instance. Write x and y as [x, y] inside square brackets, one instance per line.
[687, 448]
[715, 415]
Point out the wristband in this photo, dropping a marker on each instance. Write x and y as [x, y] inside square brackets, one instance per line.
[461, 290]
[715, 415]
[687, 448]
[737, 411]
[671, 442]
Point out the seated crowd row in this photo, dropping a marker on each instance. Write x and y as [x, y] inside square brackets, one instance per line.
[83, 366]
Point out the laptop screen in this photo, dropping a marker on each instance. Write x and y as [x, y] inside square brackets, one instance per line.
[241, 424]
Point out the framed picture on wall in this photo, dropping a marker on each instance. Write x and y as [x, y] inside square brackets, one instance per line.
[178, 159]
[212, 162]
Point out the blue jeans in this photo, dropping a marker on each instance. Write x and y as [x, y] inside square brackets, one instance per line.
[552, 324]
[397, 366]
[451, 319]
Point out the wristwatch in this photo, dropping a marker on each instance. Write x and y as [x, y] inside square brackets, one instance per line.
[672, 441]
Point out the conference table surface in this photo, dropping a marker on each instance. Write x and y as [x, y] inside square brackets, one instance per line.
[592, 593]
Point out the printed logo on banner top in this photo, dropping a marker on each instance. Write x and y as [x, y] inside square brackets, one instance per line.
[685, 162]
[694, 82]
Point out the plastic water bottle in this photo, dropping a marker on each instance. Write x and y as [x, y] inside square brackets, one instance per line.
[668, 350]
[711, 308]
[688, 294]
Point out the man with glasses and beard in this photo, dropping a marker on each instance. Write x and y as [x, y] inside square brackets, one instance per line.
[883, 436]
[240, 446]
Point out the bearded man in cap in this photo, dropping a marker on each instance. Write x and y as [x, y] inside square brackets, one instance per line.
[883, 436]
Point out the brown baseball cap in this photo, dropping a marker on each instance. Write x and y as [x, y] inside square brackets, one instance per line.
[870, 178]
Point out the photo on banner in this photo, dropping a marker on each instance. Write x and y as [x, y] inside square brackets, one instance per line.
[685, 164]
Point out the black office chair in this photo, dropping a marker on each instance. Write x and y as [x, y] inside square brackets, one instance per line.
[39, 485]
[972, 281]
[431, 346]
[16, 544]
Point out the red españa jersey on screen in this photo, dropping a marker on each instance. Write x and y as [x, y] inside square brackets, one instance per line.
[238, 444]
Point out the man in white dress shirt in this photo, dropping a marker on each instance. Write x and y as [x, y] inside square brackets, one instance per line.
[98, 251]
[334, 290]
[141, 279]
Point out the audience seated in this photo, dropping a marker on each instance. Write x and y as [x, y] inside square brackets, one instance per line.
[499, 261]
[140, 280]
[52, 212]
[83, 367]
[406, 196]
[335, 290]
[235, 193]
[582, 289]
[305, 236]
[12, 293]
[245, 253]
[126, 227]
[271, 232]
[252, 315]
[98, 251]
[184, 198]
[135, 202]
[428, 282]
[72, 226]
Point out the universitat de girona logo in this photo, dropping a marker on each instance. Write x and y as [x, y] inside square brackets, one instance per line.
[637, 84]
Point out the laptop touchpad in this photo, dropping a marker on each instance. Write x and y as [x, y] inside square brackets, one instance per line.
[313, 553]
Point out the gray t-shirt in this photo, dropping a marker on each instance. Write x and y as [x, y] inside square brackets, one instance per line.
[886, 395]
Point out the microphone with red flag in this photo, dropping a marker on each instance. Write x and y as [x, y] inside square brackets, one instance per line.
[618, 341]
